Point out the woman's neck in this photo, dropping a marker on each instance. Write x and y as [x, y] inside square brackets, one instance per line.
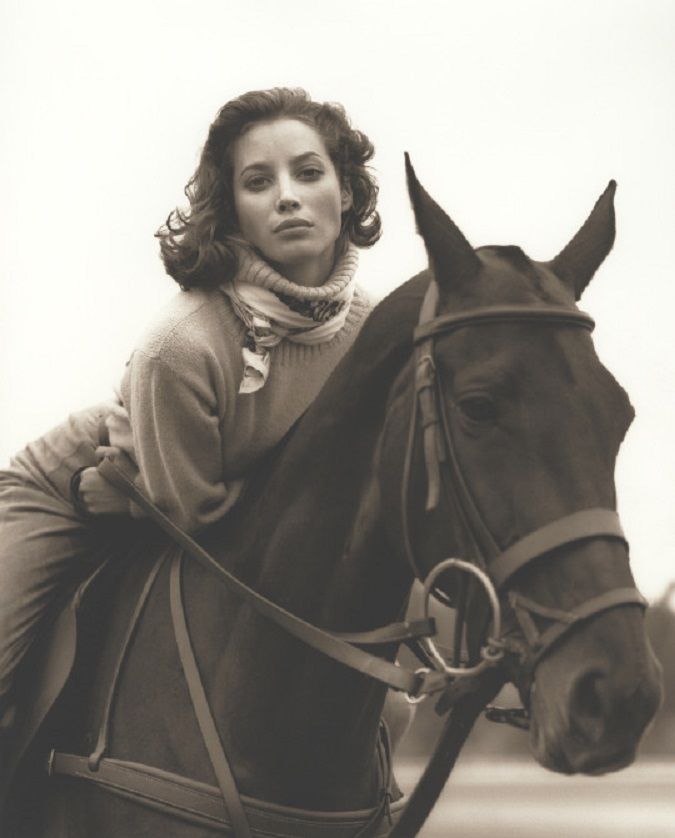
[309, 272]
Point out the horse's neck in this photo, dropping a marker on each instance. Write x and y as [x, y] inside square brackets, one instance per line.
[302, 728]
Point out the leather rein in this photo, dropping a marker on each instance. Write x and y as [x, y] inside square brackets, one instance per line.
[465, 689]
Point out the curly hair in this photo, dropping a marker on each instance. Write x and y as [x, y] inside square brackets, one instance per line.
[196, 243]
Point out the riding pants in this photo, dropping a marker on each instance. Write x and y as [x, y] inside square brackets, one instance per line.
[46, 547]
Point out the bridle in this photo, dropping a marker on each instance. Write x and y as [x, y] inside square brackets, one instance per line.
[465, 688]
[492, 566]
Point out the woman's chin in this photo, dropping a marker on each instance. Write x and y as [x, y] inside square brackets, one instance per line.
[302, 261]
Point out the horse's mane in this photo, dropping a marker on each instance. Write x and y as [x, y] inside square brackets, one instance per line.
[378, 353]
[349, 406]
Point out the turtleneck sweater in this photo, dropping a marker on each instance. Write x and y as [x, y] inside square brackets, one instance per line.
[193, 436]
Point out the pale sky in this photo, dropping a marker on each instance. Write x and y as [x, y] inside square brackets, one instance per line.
[516, 115]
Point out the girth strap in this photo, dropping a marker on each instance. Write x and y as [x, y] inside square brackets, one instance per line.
[200, 703]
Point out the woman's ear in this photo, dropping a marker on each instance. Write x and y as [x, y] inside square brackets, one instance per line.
[346, 198]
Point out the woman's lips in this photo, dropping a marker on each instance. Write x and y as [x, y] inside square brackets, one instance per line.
[291, 224]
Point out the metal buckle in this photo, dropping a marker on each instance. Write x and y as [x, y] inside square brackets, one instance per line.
[425, 372]
[50, 763]
[417, 699]
[517, 717]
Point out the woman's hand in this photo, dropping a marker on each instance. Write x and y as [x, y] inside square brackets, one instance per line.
[97, 495]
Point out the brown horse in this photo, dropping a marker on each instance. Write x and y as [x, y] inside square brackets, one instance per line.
[530, 426]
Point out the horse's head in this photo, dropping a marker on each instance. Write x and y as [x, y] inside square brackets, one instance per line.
[527, 424]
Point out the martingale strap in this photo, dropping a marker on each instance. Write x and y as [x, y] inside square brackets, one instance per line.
[202, 804]
[200, 703]
[101, 747]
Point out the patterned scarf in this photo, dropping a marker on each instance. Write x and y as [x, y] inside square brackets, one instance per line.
[273, 308]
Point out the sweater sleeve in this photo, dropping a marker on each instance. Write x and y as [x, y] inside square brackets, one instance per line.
[174, 417]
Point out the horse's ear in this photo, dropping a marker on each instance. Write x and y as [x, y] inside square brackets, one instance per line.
[576, 264]
[451, 257]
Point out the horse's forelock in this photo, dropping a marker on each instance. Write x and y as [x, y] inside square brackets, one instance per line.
[511, 276]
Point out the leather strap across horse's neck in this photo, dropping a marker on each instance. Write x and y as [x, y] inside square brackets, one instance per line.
[343, 648]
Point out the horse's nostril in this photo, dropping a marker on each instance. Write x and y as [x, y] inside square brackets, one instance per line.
[589, 704]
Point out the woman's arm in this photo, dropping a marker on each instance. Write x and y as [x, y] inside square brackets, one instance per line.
[175, 414]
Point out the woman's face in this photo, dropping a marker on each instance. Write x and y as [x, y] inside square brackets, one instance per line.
[288, 198]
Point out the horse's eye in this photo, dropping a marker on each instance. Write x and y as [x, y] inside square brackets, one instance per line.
[479, 408]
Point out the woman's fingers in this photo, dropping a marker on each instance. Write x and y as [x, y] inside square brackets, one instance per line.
[104, 451]
[100, 497]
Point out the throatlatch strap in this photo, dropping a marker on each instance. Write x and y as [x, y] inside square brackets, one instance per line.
[200, 703]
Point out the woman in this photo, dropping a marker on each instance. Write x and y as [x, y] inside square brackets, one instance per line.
[265, 256]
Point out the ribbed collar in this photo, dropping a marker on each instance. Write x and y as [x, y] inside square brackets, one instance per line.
[255, 270]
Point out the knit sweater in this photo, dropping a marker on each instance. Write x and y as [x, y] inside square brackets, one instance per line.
[193, 436]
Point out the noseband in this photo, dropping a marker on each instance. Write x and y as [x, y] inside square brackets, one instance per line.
[494, 566]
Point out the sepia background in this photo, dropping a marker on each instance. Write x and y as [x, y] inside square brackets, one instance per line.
[516, 115]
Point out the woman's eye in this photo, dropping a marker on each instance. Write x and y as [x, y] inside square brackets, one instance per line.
[311, 173]
[255, 184]
[479, 409]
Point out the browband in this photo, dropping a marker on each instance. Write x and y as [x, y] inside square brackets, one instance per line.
[505, 314]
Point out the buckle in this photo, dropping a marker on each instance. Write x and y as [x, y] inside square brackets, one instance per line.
[416, 697]
[425, 370]
[50, 763]
[517, 717]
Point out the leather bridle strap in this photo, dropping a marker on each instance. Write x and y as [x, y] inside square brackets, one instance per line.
[541, 642]
[446, 323]
[328, 643]
[443, 468]
[586, 523]
[201, 804]
[463, 714]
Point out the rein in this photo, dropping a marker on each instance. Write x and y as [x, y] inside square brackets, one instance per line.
[465, 689]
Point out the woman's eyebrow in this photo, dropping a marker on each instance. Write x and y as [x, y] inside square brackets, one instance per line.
[306, 156]
[257, 166]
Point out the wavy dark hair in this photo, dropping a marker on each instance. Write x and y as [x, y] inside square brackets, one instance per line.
[197, 242]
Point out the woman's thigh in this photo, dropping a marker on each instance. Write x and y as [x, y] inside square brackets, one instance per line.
[50, 461]
[46, 548]
[44, 544]
[46, 551]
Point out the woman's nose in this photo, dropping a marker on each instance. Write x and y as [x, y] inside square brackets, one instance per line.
[286, 203]
[287, 199]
